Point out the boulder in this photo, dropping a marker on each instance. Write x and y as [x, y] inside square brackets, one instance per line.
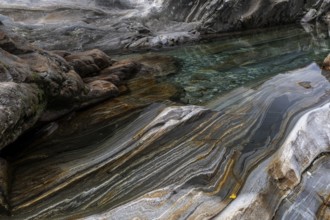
[123, 69]
[37, 85]
[89, 63]
[326, 63]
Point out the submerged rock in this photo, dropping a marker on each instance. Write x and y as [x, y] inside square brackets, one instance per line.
[160, 65]
[306, 85]
[40, 85]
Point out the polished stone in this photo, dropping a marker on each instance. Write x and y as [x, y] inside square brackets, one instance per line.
[243, 156]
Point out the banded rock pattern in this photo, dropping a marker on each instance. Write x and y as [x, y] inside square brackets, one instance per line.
[38, 85]
[114, 25]
[256, 154]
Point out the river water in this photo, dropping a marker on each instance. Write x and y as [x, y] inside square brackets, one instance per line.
[213, 68]
[100, 160]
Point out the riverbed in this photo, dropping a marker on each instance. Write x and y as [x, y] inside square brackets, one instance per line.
[187, 144]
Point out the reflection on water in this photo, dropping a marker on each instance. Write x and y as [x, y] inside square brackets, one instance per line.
[211, 69]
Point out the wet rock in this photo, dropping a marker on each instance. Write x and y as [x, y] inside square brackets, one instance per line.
[111, 78]
[317, 11]
[4, 187]
[123, 69]
[138, 93]
[89, 63]
[233, 14]
[11, 46]
[101, 88]
[311, 15]
[306, 85]
[326, 63]
[159, 65]
[40, 85]
[114, 25]
[254, 156]
[21, 105]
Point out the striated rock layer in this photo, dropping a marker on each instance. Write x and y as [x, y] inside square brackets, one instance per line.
[114, 25]
[37, 85]
[256, 153]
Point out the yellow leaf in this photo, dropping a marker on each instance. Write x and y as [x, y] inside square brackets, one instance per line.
[233, 196]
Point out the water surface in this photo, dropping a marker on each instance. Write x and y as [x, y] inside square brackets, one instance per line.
[211, 69]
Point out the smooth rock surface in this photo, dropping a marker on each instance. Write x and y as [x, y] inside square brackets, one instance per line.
[326, 63]
[259, 152]
[248, 157]
[39, 85]
[317, 11]
[114, 25]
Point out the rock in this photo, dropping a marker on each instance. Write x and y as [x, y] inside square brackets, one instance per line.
[111, 78]
[324, 8]
[61, 53]
[4, 187]
[229, 15]
[89, 63]
[119, 72]
[40, 85]
[261, 152]
[305, 84]
[21, 105]
[145, 23]
[11, 46]
[326, 63]
[311, 15]
[101, 88]
[318, 10]
[159, 65]
[123, 69]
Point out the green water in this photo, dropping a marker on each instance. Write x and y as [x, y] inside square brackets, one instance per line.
[211, 69]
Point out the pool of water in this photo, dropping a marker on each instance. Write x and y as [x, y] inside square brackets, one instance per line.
[211, 69]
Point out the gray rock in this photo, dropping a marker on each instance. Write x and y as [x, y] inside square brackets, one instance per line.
[317, 11]
[4, 186]
[114, 25]
[39, 85]
[311, 15]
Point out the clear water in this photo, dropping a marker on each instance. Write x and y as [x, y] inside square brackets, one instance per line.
[211, 69]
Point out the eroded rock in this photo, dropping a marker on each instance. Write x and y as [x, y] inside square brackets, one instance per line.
[326, 63]
[161, 65]
[40, 85]
[245, 159]
[148, 23]
[89, 63]
[123, 69]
